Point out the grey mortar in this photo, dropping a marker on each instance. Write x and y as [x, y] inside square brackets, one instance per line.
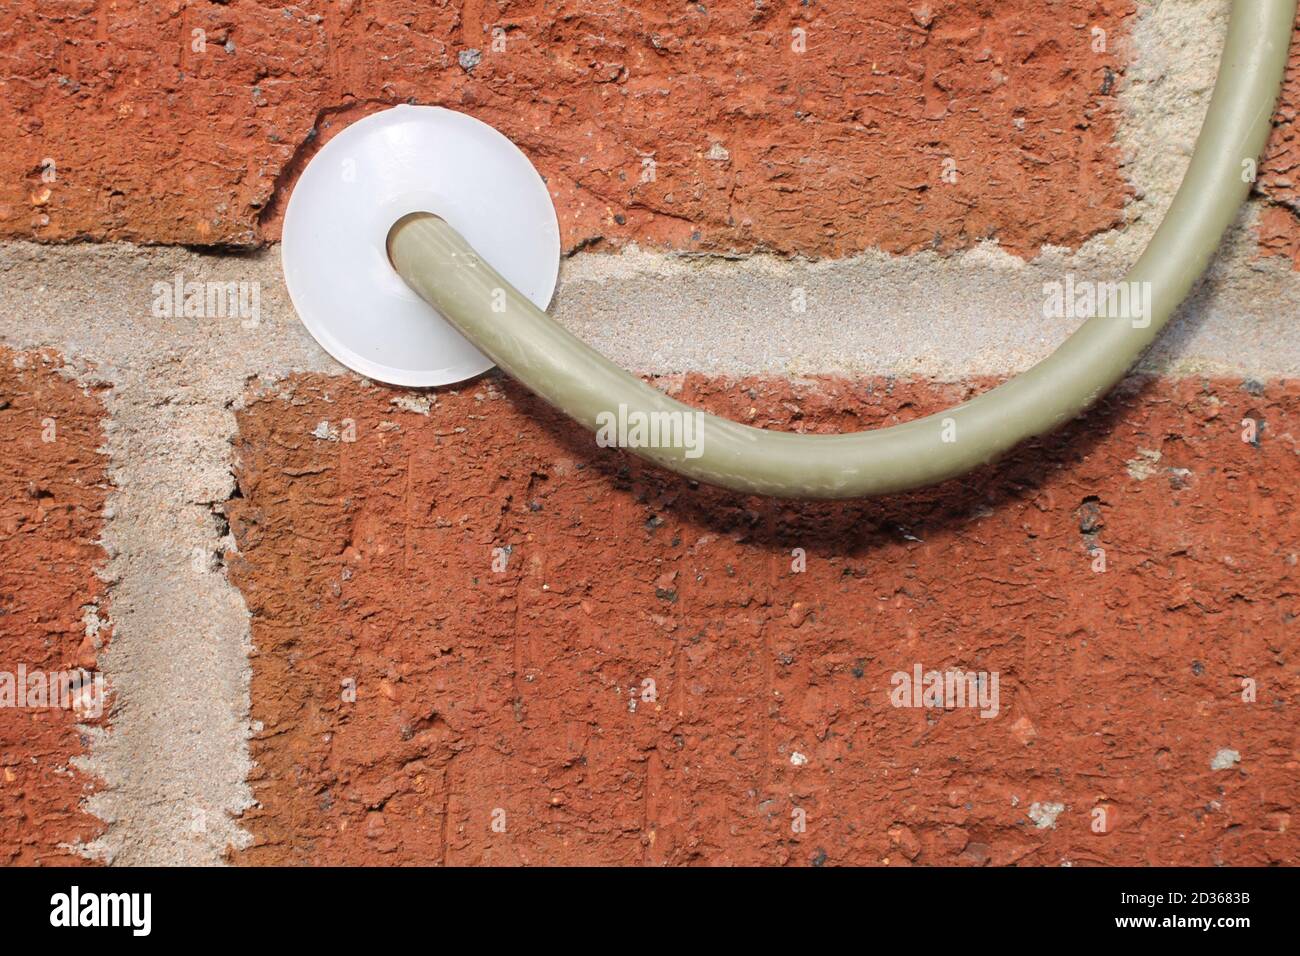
[175, 763]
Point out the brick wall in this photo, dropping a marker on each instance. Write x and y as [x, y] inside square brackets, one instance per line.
[469, 636]
[466, 616]
[52, 492]
[812, 128]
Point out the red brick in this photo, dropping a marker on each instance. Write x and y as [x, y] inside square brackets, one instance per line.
[1279, 233]
[1279, 172]
[52, 492]
[479, 691]
[831, 151]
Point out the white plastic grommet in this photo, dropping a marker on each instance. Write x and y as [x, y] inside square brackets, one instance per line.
[402, 160]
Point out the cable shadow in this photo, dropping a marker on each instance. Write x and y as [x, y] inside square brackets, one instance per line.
[840, 528]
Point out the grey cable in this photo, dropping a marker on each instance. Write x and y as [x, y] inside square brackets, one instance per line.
[530, 346]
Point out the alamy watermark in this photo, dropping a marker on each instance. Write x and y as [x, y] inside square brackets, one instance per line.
[1085, 299]
[208, 300]
[80, 690]
[946, 690]
[74, 908]
[637, 429]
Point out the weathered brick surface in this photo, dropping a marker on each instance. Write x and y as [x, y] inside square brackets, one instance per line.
[1279, 180]
[157, 133]
[480, 692]
[52, 492]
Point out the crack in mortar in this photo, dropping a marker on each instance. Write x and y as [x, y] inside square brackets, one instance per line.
[175, 761]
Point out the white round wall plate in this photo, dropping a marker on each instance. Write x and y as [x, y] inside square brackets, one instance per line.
[402, 160]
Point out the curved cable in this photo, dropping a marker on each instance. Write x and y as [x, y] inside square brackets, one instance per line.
[530, 346]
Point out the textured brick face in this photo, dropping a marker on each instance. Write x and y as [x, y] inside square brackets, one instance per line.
[1279, 227]
[411, 694]
[52, 491]
[816, 128]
